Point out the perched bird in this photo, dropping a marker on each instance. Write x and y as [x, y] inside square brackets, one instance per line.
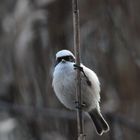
[64, 85]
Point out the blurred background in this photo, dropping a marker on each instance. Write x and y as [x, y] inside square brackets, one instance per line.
[32, 31]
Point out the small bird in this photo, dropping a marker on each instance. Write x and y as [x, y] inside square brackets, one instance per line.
[64, 85]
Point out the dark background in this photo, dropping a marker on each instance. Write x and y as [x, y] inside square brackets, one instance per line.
[32, 31]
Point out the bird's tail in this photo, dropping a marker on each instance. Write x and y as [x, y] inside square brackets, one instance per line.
[100, 124]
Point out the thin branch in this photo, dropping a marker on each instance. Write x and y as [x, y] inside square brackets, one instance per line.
[80, 123]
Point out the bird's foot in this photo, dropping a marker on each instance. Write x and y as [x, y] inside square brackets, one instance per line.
[80, 106]
[78, 67]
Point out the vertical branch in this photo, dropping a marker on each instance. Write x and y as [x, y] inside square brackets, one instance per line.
[80, 123]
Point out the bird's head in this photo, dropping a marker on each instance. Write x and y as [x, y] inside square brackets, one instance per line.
[64, 56]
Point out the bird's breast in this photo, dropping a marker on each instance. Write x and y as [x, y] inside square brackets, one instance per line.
[64, 84]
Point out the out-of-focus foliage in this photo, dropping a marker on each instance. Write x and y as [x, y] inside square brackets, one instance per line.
[32, 31]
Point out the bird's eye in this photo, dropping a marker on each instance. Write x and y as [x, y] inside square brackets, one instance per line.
[67, 58]
[59, 59]
[71, 59]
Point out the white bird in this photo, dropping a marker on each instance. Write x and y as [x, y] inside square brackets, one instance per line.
[64, 85]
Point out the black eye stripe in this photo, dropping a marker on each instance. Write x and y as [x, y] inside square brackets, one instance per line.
[66, 58]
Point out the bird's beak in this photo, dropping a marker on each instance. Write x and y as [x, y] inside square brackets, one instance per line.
[63, 61]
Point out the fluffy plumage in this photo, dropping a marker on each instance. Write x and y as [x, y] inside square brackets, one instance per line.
[64, 85]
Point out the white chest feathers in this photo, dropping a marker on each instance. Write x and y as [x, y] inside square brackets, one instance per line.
[64, 84]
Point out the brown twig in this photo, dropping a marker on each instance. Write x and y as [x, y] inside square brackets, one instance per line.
[80, 123]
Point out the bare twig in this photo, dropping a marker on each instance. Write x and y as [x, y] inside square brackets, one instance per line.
[80, 123]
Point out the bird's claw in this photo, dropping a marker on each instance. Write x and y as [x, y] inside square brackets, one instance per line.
[78, 67]
[79, 106]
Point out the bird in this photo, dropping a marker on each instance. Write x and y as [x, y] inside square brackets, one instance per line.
[64, 85]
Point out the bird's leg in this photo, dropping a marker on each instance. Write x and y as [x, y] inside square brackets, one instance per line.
[81, 69]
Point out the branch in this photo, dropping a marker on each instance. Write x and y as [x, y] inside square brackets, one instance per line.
[80, 123]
